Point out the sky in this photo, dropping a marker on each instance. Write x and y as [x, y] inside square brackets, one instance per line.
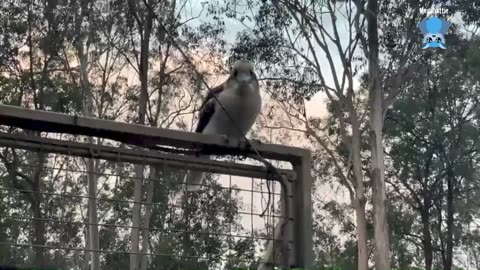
[316, 106]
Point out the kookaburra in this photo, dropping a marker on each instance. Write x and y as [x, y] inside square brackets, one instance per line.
[240, 96]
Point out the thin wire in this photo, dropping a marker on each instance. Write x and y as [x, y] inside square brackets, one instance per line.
[74, 196]
[104, 251]
[157, 229]
[133, 177]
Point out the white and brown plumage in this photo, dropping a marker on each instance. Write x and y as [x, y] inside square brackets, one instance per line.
[239, 95]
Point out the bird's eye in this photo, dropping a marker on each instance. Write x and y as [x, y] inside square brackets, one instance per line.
[251, 73]
[438, 39]
[429, 39]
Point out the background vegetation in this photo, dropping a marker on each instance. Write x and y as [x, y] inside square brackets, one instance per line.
[396, 150]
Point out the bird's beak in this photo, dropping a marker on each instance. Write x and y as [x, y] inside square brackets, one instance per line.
[242, 77]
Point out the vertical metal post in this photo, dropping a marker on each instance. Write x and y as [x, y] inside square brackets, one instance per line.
[287, 249]
[290, 223]
[303, 223]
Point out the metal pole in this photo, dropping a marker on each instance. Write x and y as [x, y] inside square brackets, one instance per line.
[303, 213]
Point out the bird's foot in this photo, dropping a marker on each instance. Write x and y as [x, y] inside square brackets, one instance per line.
[226, 139]
[255, 141]
[243, 143]
[248, 144]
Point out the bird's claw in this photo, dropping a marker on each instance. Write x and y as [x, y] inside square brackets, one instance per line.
[256, 141]
[247, 144]
[243, 143]
[225, 138]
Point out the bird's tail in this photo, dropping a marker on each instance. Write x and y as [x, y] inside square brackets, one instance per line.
[193, 179]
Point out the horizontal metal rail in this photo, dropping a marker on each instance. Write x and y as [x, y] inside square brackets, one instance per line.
[135, 156]
[138, 134]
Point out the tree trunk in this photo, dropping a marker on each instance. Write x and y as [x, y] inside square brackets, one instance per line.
[380, 221]
[427, 236]
[360, 201]
[362, 248]
[447, 264]
[86, 261]
[136, 211]
[187, 237]
[145, 32]
[147, 217]
[94, 241]
[476, 257]
[39, 257]
[439, 206]
[38, 227]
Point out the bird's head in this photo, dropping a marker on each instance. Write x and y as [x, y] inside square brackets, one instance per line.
[243, 72]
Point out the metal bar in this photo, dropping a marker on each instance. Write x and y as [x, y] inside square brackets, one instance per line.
[135, 156]
[303, 225]
[280, 249]
[290, 224]
[136, 134]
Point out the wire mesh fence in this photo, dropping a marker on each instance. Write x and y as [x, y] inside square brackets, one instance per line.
[45, 204]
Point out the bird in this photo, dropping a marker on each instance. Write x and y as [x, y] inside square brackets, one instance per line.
[240, 96]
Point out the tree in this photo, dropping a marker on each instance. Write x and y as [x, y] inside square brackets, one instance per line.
[301, 36]
[376, 100]
[429, 131]
[163, 21]
[31, 86]
[82, 41]
[296, 39]
[102, 43]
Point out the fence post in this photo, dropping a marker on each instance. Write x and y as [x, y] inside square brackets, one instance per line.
[303, 231]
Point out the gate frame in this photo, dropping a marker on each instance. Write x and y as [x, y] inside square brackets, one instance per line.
[300, 178]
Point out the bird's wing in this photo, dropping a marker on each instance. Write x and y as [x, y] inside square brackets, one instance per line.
[208, 108]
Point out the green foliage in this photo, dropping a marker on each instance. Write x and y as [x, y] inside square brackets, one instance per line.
[429, 130]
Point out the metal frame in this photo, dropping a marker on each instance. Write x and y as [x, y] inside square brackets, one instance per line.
[149, 137]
